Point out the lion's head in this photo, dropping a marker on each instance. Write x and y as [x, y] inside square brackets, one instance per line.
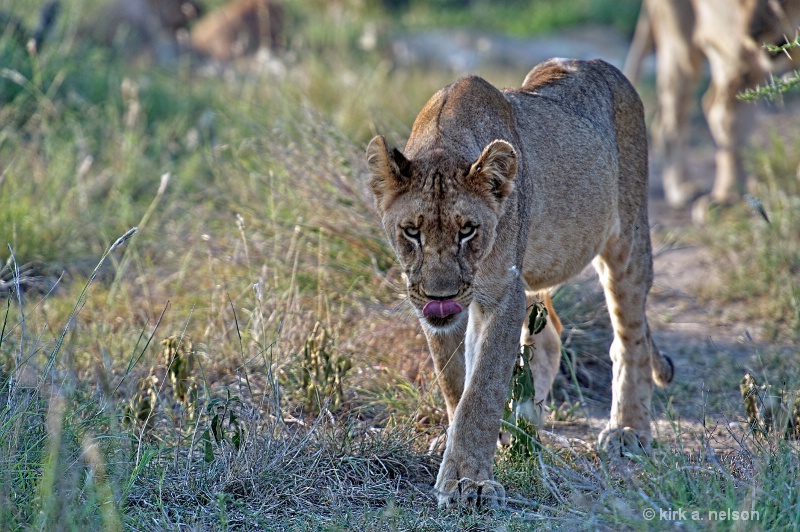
[440, 213]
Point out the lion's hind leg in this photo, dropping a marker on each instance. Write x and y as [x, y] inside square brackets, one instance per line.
[626, 272]
[625, 266]
[545, 357]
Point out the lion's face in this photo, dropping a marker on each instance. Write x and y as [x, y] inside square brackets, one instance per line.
[440, 214]
[439, 249]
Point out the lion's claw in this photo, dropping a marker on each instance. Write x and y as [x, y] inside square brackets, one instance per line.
[468, 492]
[618, 440]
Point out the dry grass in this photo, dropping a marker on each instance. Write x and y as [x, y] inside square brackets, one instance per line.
[184, 380]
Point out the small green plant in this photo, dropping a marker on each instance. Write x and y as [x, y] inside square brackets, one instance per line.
[522, 388]
[770, 410]
[777, 86]
[323, 371]
[139, 413]
[565, 411]
[225, 430]
[179, 355]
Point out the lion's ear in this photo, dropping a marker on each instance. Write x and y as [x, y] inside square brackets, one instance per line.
[494, 172]
[389, 171]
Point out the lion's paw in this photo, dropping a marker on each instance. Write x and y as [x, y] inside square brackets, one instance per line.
[479, 494]
[681, 195]
[616, 441]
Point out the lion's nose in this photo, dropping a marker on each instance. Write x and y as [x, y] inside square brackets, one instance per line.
[441, 286]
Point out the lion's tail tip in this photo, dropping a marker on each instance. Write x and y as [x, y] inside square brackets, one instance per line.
[663, 369]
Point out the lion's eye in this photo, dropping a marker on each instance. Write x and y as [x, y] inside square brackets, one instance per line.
[466, 232]
[411, 232]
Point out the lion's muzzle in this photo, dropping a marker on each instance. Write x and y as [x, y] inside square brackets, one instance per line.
[441, 309]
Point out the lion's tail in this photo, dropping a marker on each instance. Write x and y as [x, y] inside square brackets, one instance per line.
[663, 368]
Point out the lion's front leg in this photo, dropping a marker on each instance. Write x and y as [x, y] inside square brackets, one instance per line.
[492, 345]
[447, 351]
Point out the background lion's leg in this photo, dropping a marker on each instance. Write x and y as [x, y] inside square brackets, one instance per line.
[736, 62]
[447, 351]
[545, 356]
[678, 68]
[728, 120]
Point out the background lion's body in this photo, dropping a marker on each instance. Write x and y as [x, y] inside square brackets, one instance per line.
[730, 35]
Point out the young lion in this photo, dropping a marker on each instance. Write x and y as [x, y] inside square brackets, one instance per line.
[499, 189]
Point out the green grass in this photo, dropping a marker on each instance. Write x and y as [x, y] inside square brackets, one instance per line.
[254, 230]
[762, 250]
[521, 18]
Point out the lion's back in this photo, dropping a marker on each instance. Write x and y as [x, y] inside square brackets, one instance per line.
[581, 126]
[594, 90]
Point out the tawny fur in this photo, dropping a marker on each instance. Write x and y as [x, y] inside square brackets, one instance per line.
[497, 191]
[237, 28]
[544, 360]
[730, 34]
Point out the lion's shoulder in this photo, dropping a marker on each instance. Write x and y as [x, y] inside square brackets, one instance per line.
[465, 113]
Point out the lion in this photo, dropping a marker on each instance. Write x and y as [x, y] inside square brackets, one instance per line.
[499, 191]
[237, 28]
[730, 34]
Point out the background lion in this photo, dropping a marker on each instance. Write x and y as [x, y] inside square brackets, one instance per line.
[730, 35]
[237, 28]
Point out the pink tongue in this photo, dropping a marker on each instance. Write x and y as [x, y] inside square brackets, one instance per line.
[441, 309]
